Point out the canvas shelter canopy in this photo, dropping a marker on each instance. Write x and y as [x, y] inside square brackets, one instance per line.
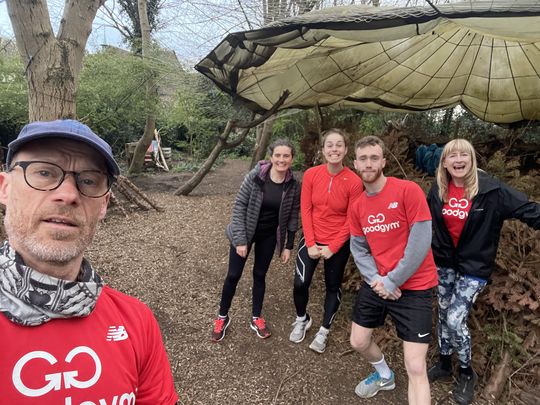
[482, 55]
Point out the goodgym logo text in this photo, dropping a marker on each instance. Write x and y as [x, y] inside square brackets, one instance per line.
[377, 224]
[457, 208]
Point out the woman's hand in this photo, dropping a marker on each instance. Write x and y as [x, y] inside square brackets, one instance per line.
[285, 255]
[242, 251]
[326, 253]
[314, 251]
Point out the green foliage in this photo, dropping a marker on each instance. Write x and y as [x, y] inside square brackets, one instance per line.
[111, 96]
[13, 94]
[501, 338]
[197, 116]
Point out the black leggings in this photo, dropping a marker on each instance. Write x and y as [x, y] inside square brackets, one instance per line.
[333, 275]
[264, 250]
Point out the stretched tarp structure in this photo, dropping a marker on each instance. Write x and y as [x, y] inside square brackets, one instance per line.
[482, 55]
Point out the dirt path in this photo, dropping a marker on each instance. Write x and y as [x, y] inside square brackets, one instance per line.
[176, 261]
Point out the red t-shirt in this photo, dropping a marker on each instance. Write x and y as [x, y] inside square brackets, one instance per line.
[385, 220]
[456, 211]
[324, 203]
[113, 356]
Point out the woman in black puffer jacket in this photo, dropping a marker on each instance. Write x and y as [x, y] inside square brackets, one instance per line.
[265, 215]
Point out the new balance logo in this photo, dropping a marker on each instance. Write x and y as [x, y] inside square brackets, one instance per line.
[116, 333]
[392, 205]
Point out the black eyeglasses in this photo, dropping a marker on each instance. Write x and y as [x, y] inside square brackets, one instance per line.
[45, 176]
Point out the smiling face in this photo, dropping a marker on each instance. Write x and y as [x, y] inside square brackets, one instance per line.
[281, 159]
[334, 148]
[370, 163]
[53, 227]
[458, 163]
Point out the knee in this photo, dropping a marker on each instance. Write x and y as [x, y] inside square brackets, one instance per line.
[454, 321]
[416, 367]
[232, 279]
[360, 343]
[259, 275]
[300, 284]
[333, 289]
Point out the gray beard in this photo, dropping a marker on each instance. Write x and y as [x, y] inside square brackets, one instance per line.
[49, 253]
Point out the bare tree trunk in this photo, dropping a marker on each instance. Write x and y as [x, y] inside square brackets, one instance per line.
[52, 64]
[263, 141]
[222, 143]
[151, 94]
[447, 122]
[211, 159]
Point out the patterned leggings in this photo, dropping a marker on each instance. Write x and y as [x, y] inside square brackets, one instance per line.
[456, 295]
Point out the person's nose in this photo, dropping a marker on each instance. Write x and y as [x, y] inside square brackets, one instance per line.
[68, 191]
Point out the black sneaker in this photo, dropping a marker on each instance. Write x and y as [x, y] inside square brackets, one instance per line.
[464, 392]
[436, 372]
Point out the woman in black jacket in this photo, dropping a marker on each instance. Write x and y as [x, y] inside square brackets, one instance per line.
[468, 209]
[265, 214]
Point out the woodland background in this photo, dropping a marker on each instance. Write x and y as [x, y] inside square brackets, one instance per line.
[118, 89]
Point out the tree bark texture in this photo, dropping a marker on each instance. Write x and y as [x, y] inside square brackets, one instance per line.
[52, 63]
[263, 141]
[499, 377]
[137, 162]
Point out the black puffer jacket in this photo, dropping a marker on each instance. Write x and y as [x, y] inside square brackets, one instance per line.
[477, 245]
[247, 207]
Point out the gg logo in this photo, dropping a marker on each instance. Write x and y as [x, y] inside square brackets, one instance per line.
[55, 379]
[376, 219]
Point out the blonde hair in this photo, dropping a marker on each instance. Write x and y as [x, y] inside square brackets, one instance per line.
[471, 178]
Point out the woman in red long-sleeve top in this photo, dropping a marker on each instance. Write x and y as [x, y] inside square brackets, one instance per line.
[327, 192]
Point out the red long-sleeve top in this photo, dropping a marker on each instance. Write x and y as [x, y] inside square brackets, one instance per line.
[324, 203]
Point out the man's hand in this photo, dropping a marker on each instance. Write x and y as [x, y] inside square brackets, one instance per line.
[379, 289]
[325, 252]
[285, 255]
[314, 251]
[242, 251]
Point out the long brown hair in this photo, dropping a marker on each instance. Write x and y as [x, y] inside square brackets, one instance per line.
[337, 131]
[471, 178]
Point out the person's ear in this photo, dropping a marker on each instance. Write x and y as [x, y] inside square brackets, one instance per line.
[5, 187]
[104, 205]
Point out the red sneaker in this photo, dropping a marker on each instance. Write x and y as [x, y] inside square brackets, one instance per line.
[259, 326]
[220, 326]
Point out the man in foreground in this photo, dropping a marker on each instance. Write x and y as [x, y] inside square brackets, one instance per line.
[391, 245]
[67, 338]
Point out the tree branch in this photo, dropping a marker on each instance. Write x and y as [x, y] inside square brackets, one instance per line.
[262, 118]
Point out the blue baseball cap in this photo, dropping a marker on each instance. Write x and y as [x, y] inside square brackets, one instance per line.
[68, 129]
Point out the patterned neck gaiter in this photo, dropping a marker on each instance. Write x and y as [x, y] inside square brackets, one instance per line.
[30, 298]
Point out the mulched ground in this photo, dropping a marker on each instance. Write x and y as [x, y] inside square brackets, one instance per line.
[175, 261]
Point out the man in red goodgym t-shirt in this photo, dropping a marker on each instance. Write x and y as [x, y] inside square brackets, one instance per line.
[391, 245]
[67, 338]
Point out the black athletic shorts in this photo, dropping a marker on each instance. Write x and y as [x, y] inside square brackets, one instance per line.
[411, 313]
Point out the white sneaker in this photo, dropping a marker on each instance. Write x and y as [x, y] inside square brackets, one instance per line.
[319, 342]
[299, 329]
[374, 383]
